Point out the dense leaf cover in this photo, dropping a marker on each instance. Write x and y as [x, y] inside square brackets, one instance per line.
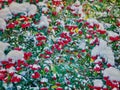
[60, 45]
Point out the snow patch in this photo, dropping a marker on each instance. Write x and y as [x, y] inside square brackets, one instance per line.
[98, 83]
[15, 55]
[112, 73]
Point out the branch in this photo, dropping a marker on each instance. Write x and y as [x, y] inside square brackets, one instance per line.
[105, 17]
[112, 8]
[110, 13]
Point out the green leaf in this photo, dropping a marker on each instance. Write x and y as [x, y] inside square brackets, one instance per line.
[54, 87]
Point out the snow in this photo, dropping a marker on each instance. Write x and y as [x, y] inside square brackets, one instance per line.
[44, 80]
[2, 56]
[98, 60]
[106, 25]
[15, 55]
[32, 10]
[34, 88]
[24, 8]
[2, 70]
[92, 21]
[77, 2]
[35, 66]
[95, 51]
[57, 0]
[3, 46]
[98, 83]
[114, 89]
[41, 4]
[62, 23]
[58, 9]
[80, 8]
[43, 21]
[112, 73]
[2, 24]
[5, 13]
[96, 66]
[18, 76]
[48, 61]
[11, 70]
[73, 7]
[82, 45]
[44, 9]
[47, 67]
[19, 87]
[101, 27]
[112, 34]
[16, 8]
[104, 51]
[92, 40]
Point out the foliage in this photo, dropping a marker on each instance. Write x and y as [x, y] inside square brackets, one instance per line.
[59, 56]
